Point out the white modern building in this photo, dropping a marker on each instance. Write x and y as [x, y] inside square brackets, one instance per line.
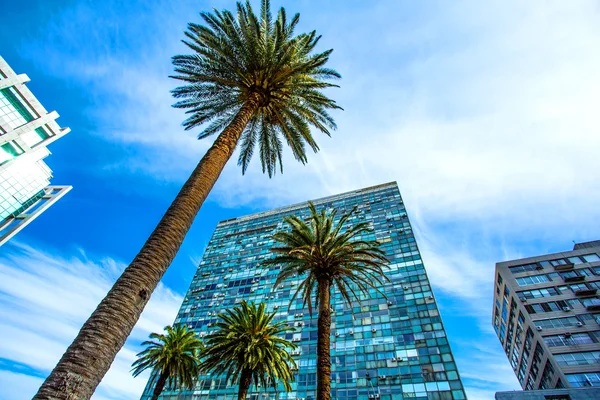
[26, 129]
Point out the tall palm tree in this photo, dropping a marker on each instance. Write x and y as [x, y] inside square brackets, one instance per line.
[174, 359]
[328, 255]
[247, 348]
[257, 84]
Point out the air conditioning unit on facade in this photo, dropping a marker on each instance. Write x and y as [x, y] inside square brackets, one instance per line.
[579, 324]
[337, 334]
[351, 332]
[373, 330]
[389, 303]
[406, 287]
[566, 308]
[539, 328]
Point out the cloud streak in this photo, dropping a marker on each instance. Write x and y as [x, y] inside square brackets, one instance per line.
[44, 299]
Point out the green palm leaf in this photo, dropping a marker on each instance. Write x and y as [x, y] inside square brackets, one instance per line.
[247, 347]
[327, 254]
[173, 358]
[237, 58]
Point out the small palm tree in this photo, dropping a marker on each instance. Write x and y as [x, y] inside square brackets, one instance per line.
[256, 84]
[247, 348]
[327, 255]
[173, 358]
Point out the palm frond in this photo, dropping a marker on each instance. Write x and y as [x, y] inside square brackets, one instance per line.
[235, 57]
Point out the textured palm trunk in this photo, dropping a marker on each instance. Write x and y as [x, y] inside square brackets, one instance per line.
[245, 381]
[87, 359]
[160, 385]
[324, 342]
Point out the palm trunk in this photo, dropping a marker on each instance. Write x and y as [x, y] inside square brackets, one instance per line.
[160, 385]
[87, 359]
[324, 342]
[245, 381]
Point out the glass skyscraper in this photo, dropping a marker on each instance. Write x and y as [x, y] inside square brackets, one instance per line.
[385, 348]
[26, 128]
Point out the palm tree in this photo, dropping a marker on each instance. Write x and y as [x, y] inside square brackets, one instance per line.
[173, 358]
[251, 79]
[247, 348]
[327, 254]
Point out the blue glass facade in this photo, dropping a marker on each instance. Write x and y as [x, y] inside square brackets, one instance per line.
[394, 348]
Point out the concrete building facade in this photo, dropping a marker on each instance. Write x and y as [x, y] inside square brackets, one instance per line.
[385, 348]
[546, 314]
[26, 129]
[553, 394]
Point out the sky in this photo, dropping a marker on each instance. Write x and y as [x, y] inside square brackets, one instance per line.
[485, 113]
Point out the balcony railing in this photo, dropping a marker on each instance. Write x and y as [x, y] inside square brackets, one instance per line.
[585, 292]
[574, 278]
[563, 267]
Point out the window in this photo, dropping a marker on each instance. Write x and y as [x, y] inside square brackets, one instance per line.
[524, 268]
[585, 358]
[500, 280]
[575, 260]
[584, 380]
[13, 109]
[537, 293]
[578, 286]
[9, 150]
[556, 322]
[532, 280]
[591, 257]
[568, 340]
[571, 274]
[592, 301]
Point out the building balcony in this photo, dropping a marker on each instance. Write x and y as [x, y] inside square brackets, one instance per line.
[593, 307]
[577, 278]
[564, 267]
[585, 292]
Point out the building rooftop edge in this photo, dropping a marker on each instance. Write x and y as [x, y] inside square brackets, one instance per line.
[304, 203]
[578, 246]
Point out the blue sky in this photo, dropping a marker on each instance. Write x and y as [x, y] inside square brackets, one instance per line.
[484, 112]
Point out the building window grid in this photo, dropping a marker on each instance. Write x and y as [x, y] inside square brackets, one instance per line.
[553, 323]
[533, 279]
[13, 108]
[579, 358]
[584, 380]
[379, 329]
[570, 339]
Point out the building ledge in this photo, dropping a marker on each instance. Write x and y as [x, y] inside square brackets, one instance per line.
[585, 292]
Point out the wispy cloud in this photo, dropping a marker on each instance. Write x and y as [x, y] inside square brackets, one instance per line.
[44, 299]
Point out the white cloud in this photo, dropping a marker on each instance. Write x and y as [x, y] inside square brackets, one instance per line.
[15, 385]
[44, 299]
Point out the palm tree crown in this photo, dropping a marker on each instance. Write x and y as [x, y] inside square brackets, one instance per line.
[247, 347]
[325, 250]
[254, 61]
[173, 358]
